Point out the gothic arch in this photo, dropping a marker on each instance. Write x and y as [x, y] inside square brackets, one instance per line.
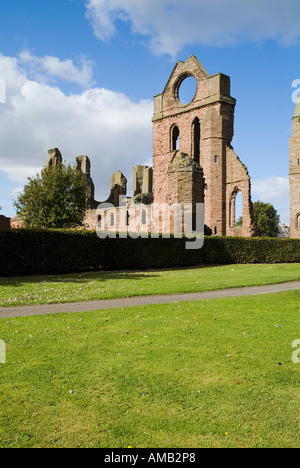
[174, 137]
[298, 221]
[232, 206]
[196, 138]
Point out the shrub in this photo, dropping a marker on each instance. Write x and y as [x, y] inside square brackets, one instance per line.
[27, 252]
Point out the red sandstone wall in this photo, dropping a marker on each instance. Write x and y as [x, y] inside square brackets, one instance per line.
[295, 178]
[214, 107]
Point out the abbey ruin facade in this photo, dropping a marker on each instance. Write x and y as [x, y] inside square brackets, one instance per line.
[295, 175]
[193, 160]
[193, 163]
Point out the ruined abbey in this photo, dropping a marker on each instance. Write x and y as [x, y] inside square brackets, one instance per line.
[193, 162]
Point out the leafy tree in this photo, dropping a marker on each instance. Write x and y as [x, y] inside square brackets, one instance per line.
[267, 219]
[56, 198]
[239, 221]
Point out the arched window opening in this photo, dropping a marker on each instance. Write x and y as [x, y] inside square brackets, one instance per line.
[99, 221]
[187, 89]
[175, 138]
[112, 219]
[236, 208]
[298, 222]
[196, 139]
[238, 221]
[144, 217]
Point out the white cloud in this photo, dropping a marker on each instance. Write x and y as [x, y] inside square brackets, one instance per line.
[49, 68]
[107, 126]
[172, 24]
[274, 190]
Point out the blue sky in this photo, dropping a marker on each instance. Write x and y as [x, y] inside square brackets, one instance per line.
[81, 76]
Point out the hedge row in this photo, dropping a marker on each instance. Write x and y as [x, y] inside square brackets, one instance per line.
[24, 252]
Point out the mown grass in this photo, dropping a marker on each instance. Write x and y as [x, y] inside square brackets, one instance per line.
[215, 373]
[106, 285]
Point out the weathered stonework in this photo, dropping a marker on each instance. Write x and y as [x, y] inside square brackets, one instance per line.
[295, 175]
[54, 158]
[185, 180]
[142, 180]
[83, 165]
[16, 223]
[203, 129]
[193, 162]
[118, 188]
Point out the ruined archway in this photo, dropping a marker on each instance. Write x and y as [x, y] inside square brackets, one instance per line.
[196, 138]
[298, 221]
[236, 208]
[175, 138]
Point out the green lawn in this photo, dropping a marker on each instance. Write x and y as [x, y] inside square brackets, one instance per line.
[105, 285]
[215, 373]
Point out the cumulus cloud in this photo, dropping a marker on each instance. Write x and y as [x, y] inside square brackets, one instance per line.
[49, 68]
[172, 24]
[107, 126]
[274, 190]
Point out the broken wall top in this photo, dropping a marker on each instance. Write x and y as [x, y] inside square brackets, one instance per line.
[83, 164]
[210, 89]
[54, 158]
[183, 163]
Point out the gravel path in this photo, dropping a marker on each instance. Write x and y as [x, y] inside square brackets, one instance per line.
[26, 311]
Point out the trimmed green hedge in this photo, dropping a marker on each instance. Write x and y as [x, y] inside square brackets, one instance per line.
[24, 252]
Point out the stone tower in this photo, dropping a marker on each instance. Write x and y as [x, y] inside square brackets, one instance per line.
[295, 175]
[142, 179]
[202, 130]
[54, 158]
[83, 165]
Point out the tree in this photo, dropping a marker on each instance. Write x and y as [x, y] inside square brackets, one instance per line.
[240, 221]
[267, 219]
[56, 198]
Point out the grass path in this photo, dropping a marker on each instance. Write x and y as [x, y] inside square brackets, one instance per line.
[110, 285]
[216, 373]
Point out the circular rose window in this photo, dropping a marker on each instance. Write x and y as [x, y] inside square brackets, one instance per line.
[187, 90]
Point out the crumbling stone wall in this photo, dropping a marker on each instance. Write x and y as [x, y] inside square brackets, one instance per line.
[185, 180]
[203, 129]
[142, 180]
[295, 175]
[193, 162]
[83, 165]
[16, 223]
[118, 188]
[238, 180]
[54, 158]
